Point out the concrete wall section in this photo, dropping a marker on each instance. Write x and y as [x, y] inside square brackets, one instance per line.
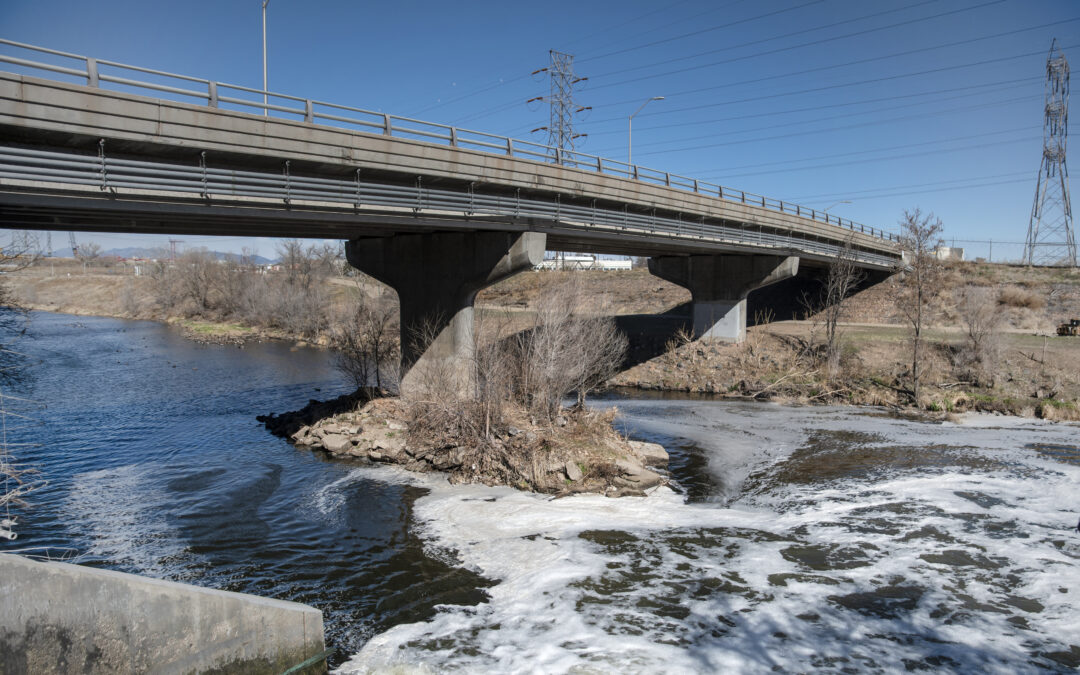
[59, 618]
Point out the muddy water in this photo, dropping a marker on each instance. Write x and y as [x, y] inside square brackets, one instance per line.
[791, 539]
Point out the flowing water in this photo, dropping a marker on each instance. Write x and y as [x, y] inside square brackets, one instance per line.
[791, 540]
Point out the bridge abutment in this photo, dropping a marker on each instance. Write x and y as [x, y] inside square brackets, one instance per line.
[437, 277]
[718, 286]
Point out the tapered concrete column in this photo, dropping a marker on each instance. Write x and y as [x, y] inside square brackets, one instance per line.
[437, 277]
[719, 285]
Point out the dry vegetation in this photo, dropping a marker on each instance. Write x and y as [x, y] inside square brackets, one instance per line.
[985, 348]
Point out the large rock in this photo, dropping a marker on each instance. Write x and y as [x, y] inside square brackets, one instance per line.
[651, 454]
[336, 443]
[636, 476]
[573, 471]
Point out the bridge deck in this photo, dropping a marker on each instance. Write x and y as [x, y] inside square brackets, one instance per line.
[280, 177]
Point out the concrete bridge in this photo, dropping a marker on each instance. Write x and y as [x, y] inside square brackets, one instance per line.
[436, 212]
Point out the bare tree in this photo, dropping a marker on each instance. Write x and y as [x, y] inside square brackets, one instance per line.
[921, 272]
[198, 274]
[89, 252]
[843, 277]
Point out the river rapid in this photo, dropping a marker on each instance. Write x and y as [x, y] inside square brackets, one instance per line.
[790, 540]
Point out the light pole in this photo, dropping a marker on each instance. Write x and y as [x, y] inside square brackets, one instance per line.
[826, 209]
[266, 110]
[630, 129]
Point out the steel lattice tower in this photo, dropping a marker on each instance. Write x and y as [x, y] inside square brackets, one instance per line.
[560, 128]
[1050, 238]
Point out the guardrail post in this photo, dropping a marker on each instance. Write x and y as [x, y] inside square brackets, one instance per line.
[510, 147]
[743, 195]
[667, 179]
[798, 210]
[211, 94]
[599, 165]
[763, 200]
[720, 191]
[695, 186]
[453, 137]
[309, 111]
[91, 72]
[388, 126]
[558, 156]
[636, 176]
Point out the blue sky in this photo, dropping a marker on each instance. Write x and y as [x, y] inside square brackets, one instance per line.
[888, 105]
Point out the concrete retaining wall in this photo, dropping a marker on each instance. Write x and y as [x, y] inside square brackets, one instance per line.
[60, 618]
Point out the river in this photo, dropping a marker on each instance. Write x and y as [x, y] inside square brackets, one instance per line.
[791, 540]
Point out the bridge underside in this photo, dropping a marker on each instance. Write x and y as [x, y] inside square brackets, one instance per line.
[437, 238]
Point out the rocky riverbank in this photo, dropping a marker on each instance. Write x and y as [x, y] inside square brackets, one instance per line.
[579, 453]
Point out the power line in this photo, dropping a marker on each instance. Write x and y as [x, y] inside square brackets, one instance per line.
[708, 30]
[822, 41]
[842, 128]
[828, 106]
[812, 121]
[828, 87]
[770, 39]
[944, 189]
[904, 146]
[855, 193]
[870, 160]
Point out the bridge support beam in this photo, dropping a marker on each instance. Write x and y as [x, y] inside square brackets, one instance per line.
[437, 277]
[719, 285]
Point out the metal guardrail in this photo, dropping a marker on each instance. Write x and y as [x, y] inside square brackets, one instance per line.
[204, 182]
[218, 95]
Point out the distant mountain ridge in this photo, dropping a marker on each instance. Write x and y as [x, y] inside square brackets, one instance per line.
[143, 252]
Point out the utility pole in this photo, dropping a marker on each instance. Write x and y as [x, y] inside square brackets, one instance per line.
[630, 129]
[1050, 238]
[560, 128]
[266, 110]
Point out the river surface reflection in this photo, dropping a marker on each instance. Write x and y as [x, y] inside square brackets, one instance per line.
[792, 539]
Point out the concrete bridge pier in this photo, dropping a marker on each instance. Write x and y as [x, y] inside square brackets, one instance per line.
[437, 277]
[719, 285]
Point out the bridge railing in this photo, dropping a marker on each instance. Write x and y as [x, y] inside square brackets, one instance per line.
[97, 72]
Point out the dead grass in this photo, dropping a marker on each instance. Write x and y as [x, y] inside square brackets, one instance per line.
[1015, 296]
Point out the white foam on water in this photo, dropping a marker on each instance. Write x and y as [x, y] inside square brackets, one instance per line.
[966, 562]
[120, 514]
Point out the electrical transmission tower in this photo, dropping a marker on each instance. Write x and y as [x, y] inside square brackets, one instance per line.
[561, 99]
[1050, 238]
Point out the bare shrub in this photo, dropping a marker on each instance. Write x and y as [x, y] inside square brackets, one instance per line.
[1014, 296]
[979, 315]
[166, 286]
[367, 345]
[129, 303]
[566, 352]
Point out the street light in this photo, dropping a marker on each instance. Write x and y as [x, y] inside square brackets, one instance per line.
[630, 129]
[826, 209]
[266, 110]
